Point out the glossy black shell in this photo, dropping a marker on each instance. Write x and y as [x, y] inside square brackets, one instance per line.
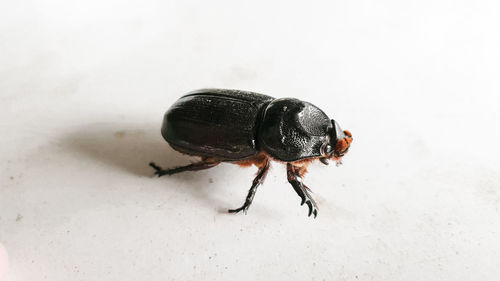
[233, 125]
[292, 129]
[215, 123]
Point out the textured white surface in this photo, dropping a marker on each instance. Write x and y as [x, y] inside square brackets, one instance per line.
[84, 85]
[4, 263]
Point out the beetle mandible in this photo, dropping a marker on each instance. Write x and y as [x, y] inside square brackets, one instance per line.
[247, 128]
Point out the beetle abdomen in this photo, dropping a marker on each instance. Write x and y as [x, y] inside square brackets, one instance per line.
[215, 123]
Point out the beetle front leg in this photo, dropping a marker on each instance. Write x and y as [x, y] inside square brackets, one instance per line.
[192, 167]
[295, 179]
[258, 180]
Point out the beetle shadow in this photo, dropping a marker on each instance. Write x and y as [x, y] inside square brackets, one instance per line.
[130, 147]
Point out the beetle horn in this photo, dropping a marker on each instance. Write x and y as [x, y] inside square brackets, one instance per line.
[337, 133]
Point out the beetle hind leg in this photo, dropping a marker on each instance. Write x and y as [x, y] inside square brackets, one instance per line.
[295, 179]
[202, 165]
[258, 180]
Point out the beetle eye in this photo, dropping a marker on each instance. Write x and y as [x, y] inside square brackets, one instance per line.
[328, 149]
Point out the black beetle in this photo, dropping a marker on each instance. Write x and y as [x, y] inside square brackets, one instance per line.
[248, 128]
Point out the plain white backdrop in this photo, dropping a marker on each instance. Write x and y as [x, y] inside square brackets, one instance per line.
[84, 85]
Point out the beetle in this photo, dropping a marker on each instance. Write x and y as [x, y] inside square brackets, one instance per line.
[247, 128]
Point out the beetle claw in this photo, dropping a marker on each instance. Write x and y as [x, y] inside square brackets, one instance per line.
[243, 208]
[158, 170]
[313, 209]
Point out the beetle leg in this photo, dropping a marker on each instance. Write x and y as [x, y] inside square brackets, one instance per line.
[295, 179]
[192, 167]
[258, 180]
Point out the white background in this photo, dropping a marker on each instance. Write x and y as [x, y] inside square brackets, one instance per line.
[84, 85]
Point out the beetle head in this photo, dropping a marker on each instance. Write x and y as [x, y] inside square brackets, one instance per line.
[338, 144]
